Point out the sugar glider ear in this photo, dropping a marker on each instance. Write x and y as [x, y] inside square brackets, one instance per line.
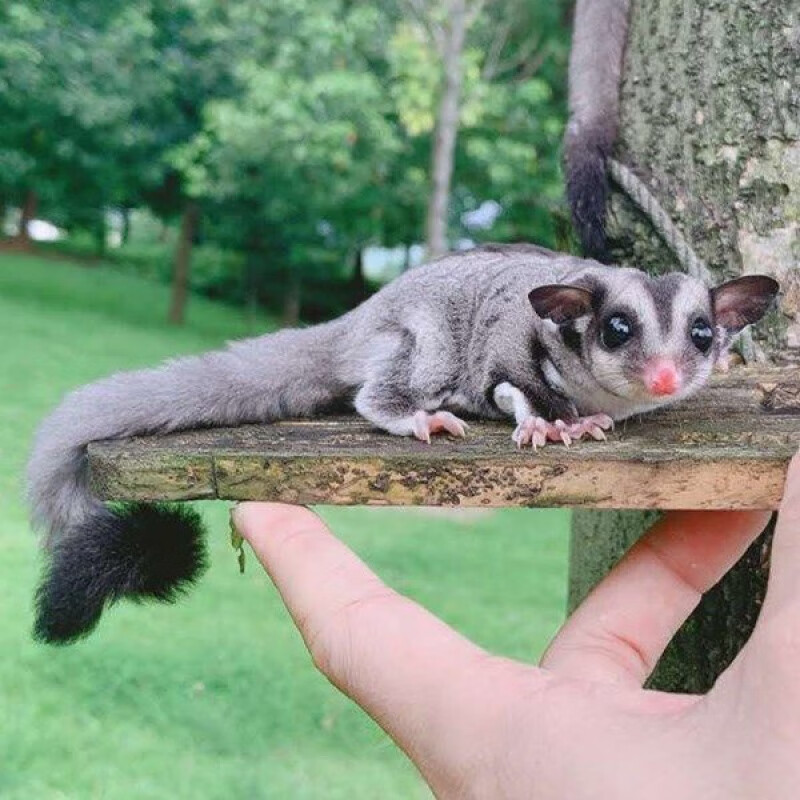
[743, 301]
[561, 302]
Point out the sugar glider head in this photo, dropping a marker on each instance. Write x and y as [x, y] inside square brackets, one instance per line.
[650, 340]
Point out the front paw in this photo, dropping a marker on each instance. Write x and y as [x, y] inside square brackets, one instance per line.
[537, 431]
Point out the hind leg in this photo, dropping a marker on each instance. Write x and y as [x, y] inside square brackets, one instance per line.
[403, 412]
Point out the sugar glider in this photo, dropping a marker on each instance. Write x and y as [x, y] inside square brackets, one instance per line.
[599, 35]
[560, 344]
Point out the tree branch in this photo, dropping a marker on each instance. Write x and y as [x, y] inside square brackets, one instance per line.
[421, 11]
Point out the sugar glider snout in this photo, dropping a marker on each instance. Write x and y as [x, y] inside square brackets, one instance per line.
[661, 377]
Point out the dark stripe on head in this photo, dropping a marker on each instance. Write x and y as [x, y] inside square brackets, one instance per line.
[663, 291]
[597, 289]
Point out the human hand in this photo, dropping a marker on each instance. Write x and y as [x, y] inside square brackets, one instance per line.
[579, 725]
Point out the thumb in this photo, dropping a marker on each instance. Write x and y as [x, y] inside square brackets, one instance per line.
[783, 591]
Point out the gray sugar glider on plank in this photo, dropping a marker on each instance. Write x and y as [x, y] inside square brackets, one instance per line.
[559, 344]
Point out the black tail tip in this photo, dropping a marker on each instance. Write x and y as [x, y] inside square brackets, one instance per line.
[587, 193]
[141, 552]
[586, 152]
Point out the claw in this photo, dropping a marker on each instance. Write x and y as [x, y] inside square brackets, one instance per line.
[563, 432]
[537, 431]
[425, 424]
[445, 421]
[597, 433]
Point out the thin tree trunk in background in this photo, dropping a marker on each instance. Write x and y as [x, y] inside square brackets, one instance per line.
[3, 210]
[100, 233]
[29, 206]
[358, 282]
[183, 263]
[455, 32]
[719, 145]
[291, 302]
[125, 233]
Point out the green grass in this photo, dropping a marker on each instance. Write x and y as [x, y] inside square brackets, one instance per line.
[215, 697]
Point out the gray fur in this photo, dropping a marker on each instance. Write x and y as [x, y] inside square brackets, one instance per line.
[442, 336]
[598, 42]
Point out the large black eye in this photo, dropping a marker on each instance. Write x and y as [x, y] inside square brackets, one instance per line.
[616, 331]
[702, 335]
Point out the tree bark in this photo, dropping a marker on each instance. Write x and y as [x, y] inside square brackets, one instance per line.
[183, 263]
[444, 144]
[710, 118]
[28, 213]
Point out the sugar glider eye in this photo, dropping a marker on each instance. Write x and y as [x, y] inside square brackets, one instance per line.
[615, 331]
[702, 336]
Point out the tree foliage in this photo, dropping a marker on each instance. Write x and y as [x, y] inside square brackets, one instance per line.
[298, 131]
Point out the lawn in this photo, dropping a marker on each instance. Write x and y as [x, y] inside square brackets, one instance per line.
[215, 697]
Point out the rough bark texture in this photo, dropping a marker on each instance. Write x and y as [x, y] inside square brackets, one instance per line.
[444, 144]
[711, 120]
[183, 263]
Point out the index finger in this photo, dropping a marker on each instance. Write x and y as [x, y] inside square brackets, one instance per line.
[401, 664]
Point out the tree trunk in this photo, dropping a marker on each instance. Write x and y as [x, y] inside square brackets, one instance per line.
[100, 232]
[125, 233]
[183, 263]
[444, 144]
[407, 258]
[711, 120]
[358, 283]
[29, 206]
[291, 301]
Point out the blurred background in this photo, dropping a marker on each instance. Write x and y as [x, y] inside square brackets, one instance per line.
[176, 174]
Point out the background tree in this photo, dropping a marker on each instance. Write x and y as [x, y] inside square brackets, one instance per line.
[303, 152]
[71, 84]
[494, 112]
[289, 139]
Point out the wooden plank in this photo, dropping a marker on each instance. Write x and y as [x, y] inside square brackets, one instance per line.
[726, 448]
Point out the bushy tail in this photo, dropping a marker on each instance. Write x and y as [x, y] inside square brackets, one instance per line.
[98, 554]
[598, 43]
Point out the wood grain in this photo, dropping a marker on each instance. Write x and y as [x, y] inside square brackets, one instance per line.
[726, 448]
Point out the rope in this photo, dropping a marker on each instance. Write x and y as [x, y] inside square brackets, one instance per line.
[641, 195]
[637, 190]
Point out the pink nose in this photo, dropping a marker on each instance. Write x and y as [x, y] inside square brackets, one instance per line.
[661, 378]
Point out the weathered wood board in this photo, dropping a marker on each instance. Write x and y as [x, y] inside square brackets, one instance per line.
[726, 448]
